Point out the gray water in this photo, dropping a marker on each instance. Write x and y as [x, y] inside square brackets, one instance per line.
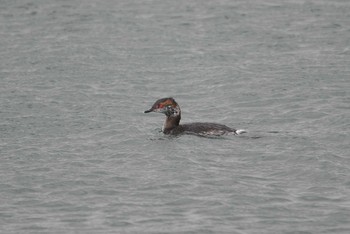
[78, 155]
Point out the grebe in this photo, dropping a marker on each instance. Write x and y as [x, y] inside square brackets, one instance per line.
[171, 109]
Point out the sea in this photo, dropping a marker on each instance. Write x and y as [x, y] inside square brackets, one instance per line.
[79, 155]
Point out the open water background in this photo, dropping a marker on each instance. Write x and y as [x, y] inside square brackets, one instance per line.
[79, 156]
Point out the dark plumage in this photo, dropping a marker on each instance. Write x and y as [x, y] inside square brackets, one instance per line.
[171, 109]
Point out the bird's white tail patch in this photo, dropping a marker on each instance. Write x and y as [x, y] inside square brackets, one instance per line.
[240, 131]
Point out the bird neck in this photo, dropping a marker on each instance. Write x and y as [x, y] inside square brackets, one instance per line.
[171, 122]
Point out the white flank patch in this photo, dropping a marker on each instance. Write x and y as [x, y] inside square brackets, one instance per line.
[240, 131]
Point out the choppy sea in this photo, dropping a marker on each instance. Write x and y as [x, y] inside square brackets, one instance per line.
[78, 155]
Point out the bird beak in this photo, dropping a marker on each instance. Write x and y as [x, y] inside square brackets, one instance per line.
[148, 111]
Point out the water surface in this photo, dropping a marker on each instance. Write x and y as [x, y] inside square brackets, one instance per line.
[79, 156]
